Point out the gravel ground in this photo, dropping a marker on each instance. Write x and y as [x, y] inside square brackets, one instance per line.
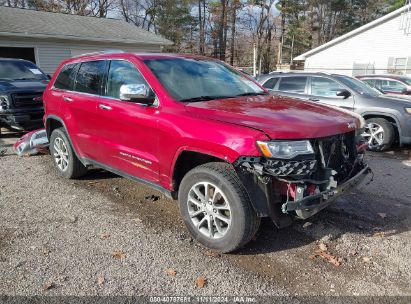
[105, 235]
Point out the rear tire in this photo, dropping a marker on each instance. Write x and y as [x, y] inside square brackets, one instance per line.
[226, 208]
[65, 160]
[379, 133]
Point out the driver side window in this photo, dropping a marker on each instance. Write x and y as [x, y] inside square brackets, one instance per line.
[122, 72]
[325, 87]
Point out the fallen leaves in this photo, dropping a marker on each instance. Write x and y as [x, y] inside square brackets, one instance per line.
[366, 259]
[171, 272]
[101, 280]
[307, 224]
[104, 235]
[212, 254]
[330, 258]
[322, 252]
[379, 234]
[322, 247]
[48, 286]
[119, 254]
[201, 282]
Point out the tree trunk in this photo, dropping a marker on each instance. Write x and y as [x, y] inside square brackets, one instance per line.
[233, 24]
[201, 23]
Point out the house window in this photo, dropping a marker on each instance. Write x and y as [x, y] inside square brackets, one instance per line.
[400, 64]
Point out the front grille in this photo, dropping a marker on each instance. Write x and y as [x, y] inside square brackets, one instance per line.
[338, 153]
[27, 99]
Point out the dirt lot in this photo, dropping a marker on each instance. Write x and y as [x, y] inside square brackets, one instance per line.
[105, 235]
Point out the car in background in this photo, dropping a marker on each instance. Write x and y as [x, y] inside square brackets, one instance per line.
[21, 88]
[389, 84]
[388, 119]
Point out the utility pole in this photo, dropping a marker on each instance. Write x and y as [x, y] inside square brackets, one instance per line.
[254, 60]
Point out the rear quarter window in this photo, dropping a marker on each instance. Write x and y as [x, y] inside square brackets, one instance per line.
[295, 84]
[65, 78]
[270, 83]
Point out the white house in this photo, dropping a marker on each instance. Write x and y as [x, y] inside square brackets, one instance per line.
[379, 47]
[47, 38]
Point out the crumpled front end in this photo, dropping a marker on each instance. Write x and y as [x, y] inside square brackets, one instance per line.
[300, 187]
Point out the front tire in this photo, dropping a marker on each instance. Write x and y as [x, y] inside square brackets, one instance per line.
[216, 209]
[379, 133]
[65, 160]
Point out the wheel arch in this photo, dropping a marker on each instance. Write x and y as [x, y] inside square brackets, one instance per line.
[390, 118]
[53, 122]
[186, 160]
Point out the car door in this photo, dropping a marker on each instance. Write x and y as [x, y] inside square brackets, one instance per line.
[292, 86]
[79, 107]
[324, 90]
[129, 133]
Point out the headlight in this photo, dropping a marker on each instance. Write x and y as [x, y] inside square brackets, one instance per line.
[285, 149]
[4, 102]
[408, 110]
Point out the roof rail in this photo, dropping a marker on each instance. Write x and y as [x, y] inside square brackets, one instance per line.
[99, 52]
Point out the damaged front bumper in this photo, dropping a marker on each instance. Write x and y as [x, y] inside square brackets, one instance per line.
[299, 188]
[318, 201]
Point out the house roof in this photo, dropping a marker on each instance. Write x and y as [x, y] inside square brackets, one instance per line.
[17, 22]
[354, 32]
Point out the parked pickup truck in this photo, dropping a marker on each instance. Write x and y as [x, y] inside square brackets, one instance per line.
[21, 88]
[203, 134]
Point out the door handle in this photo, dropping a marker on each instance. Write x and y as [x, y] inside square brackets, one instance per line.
[68, 99]
[104, 107]
[313, 99]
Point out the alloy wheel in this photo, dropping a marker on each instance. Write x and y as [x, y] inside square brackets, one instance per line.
[209, 210]
[60, 154]
[374, 135]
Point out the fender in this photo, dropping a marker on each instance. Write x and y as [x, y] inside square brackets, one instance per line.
[182, 149]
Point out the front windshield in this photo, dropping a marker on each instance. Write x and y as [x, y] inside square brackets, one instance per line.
[190, 80]
[20, 70]
[358, 86]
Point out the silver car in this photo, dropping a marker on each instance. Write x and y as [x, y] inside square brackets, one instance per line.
[388, 119]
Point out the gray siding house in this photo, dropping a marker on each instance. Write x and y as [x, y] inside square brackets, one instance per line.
[47, 38]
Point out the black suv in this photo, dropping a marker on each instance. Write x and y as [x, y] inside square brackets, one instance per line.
[21, 88]
[388, 119]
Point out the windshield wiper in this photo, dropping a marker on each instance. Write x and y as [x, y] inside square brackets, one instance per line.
[24, 79]
[203, 98]
[253, 94]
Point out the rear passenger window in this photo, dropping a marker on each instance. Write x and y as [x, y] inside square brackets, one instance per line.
[89, 77]
[270, 83]
[65, 79]
[293, 84]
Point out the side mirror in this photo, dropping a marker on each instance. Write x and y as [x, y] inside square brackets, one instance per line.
[406, 91]
[344, 93]
[138, 93]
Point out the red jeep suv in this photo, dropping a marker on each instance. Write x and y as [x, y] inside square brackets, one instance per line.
[204, 134]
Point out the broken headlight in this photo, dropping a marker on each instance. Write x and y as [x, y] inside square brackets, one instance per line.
[4, 102]
[285, 149]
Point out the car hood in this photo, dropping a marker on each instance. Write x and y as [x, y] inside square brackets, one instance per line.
[278, 117]
[396, 99]
[19, 86]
